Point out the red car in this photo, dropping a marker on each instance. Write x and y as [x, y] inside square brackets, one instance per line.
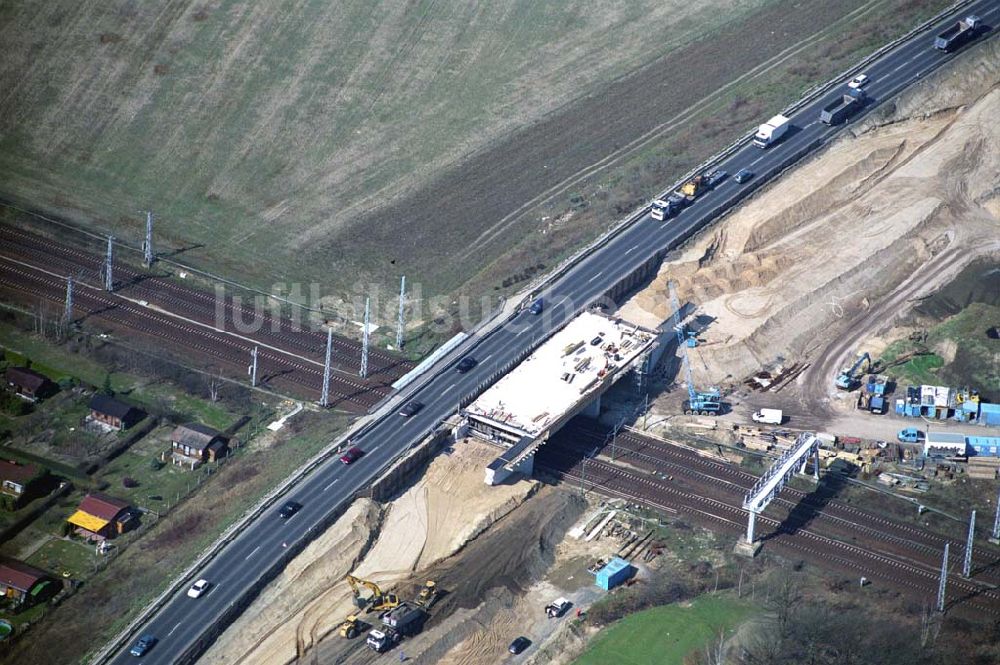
[352, 455]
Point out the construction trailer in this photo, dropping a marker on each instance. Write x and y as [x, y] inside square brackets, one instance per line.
[983, 446]
[613, 573]
[945, 444]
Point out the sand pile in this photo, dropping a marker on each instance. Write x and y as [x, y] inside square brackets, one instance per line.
[429, 522]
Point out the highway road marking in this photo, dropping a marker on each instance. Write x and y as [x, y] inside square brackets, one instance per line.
[595, 277]
[252, 553]
[629, 251]
[447, 389]
[330, 485]
[905, 64]
[486, 358]
[176, 626]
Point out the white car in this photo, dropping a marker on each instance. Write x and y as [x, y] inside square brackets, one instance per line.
[198, 588]
[859, 81]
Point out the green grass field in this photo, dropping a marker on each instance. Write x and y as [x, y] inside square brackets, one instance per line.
[665, 635]
[262, 129]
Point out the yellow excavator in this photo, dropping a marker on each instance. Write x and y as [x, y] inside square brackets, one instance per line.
[377, 602]
[428, 594]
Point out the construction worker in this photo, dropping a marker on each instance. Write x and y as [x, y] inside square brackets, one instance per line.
[402, 656]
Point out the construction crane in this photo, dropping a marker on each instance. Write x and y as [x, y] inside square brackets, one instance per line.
[377, 602]
[849, 377]
[705, 403]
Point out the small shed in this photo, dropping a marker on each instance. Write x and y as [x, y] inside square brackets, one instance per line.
[28, 383]
[101, 516]
[614, 573]
[17, 480]
[944, 443]
[20, 582]
[114, 413]
[194, 443]
[989, 414]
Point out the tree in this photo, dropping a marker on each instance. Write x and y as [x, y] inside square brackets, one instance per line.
[106, 388]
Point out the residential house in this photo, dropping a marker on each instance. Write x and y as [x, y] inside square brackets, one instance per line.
[194, 443]
[100, 517]
[21, 583]
[20, 481]
[29, 384]
[114, 413]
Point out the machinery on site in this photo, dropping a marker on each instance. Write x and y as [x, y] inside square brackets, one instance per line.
[771, 131]
[957, 34]
[849, 377]
[706, 403]
[403, 621]
[692, 189]
[377, 602]
[351, 626]
[428, 594]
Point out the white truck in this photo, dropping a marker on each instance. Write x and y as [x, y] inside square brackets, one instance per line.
[771, 131]
[768, 416]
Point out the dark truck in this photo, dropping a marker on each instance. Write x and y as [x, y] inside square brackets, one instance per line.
[957, 34]
[843, 108]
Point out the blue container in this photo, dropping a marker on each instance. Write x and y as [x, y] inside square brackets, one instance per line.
[614, 573]
[984, 446]
[989, 414]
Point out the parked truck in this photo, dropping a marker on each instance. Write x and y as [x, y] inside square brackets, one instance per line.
[843, 108]
[403, 621]
[557, 608]
[771, 131]
[768, 416]
[957, 34]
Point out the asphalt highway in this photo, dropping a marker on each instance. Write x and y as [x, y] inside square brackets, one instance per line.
[181, 623]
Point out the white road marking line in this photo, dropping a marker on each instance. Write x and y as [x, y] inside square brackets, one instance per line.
[595, 277]
[521, 331]
[330, 485]
[176, 626]
[629, 251]
[905, 64]
[486, 358]
[443, 392]
[252, 553]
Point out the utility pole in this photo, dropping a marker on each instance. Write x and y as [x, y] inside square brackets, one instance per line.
[147, 247]
[402, 307]
[967, 563]
[324, 399]
[944, 579]
[253, 368]
[996, 522]
[68, 314]
[364, 340]
[108, 261]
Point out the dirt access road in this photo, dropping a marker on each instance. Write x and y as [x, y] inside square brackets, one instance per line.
[827, 260]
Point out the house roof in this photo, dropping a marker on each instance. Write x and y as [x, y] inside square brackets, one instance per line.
[194, 435]
[26, 378]
[87, 521]
[110, 406]
[102, 506]
[17, 472]
[19, 575]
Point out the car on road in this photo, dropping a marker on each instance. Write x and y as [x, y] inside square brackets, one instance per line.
[142, 645]
[198, 588]
[411, 409]
[465, 364]
[519, 645]
[352, 455]
[537, 307]
[715, 178]
[743, 175]
[289, 509]
[858, 82]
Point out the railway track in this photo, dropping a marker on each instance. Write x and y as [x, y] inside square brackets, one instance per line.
[28, 283]
[913, 578]
[894, 537]
[207, 308]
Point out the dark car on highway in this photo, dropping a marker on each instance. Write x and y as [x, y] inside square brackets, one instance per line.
[743, 175]
[289, 509]
[537, 307]
[715, 178]
[142, 645]
[353, 454]
[411, 409]
[519, 645]
[465, 364]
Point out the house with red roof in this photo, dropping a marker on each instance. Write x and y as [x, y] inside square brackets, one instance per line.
[100, 517]
[22, 583]
[20, 481]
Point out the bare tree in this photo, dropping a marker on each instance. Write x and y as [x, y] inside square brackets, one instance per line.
[715, 652]
[214, 383]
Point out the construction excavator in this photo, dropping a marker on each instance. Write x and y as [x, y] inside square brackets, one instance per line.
[378, 601]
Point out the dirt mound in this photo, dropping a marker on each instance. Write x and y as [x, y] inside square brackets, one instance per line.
[908, 202]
